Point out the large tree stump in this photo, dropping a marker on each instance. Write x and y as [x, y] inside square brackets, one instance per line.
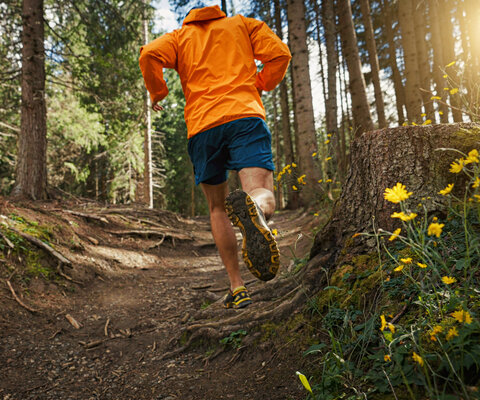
[415, 156]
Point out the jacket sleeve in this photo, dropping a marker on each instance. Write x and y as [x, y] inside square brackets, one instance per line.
[154, 56]
[271, 51]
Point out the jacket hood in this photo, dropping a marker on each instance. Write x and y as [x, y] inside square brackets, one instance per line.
[204, 14]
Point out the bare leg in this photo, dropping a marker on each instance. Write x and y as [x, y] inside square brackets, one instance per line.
[258, 183]
[223, 232]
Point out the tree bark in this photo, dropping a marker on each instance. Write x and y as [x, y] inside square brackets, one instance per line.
[374, 65]
[358, 93]
[302, 90]
[392, 61]
[417, 162]
[31, 173]
[412, 87]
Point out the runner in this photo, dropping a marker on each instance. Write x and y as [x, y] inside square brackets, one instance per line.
[215, 58]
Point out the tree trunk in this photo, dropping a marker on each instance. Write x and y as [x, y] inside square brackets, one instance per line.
[360, 107]
[147, 143]
[31, 173]
[423, 63]
[416, 162]
[373, 59]
[331, 108]
[438, 59]
[302, 90]
[412, 87]
[292, 197]
[276, 140]
[448, 43]
[392, 61]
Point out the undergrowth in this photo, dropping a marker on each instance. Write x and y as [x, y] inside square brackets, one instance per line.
[403, 323]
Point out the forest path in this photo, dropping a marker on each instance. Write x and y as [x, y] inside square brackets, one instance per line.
[133, 312]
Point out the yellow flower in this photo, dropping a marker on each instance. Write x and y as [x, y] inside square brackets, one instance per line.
[383, 321]
[472, 157]
[314, 154]
[427, 122]
[422, 265]
[476, 183]
[451, 333]
[386, 324]
[449, 65]
[435, 229]
[327, 141]
[440, 113]
[414, 124]
[423, 115]
[477, 197]
[294, 187]
[405, 124]
[329, 134]
[435, 98]
[462, 316]
[447, 190]
[457, 167]
[395, 234]
[399, 268]
[294, 165]
[315, 214]
[417, 359]
[446, 89]
[447, 280]
[454, 91]
[304, 381]
[433, 333]
[397, 194]
[406, 260]
[403, 216]
[328, 180]
[445, 76]
[320, 181]
[328, 158]
[387, 358]
[274, 232]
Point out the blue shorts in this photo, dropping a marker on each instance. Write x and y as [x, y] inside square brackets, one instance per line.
[232, 146]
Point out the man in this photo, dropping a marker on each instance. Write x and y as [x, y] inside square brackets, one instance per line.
[215, 58]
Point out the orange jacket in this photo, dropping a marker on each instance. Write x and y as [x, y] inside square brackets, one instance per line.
[214, 56]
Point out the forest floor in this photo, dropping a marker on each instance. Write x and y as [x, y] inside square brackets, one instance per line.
[139, 276]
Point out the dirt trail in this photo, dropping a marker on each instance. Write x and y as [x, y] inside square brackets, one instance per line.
[137, 295]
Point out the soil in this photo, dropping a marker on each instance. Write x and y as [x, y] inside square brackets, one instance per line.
[138, 277]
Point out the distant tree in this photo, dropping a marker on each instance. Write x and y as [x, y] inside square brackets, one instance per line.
[425, 72]
[412, 86]
[387, 11]
[360, 106]
[373, 59]
[31, 172]
[302, 94]
[438, 58]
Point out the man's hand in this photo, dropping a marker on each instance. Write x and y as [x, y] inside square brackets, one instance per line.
[157, 107]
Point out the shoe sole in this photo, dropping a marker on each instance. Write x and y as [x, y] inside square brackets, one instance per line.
[259, 248]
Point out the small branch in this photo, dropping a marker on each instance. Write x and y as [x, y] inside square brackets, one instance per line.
[73, 321]
[105, 329]
[18, 299]
[7, 241]
[88, 216]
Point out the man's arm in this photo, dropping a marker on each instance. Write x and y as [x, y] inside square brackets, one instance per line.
[156, 55]
[271, 51]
